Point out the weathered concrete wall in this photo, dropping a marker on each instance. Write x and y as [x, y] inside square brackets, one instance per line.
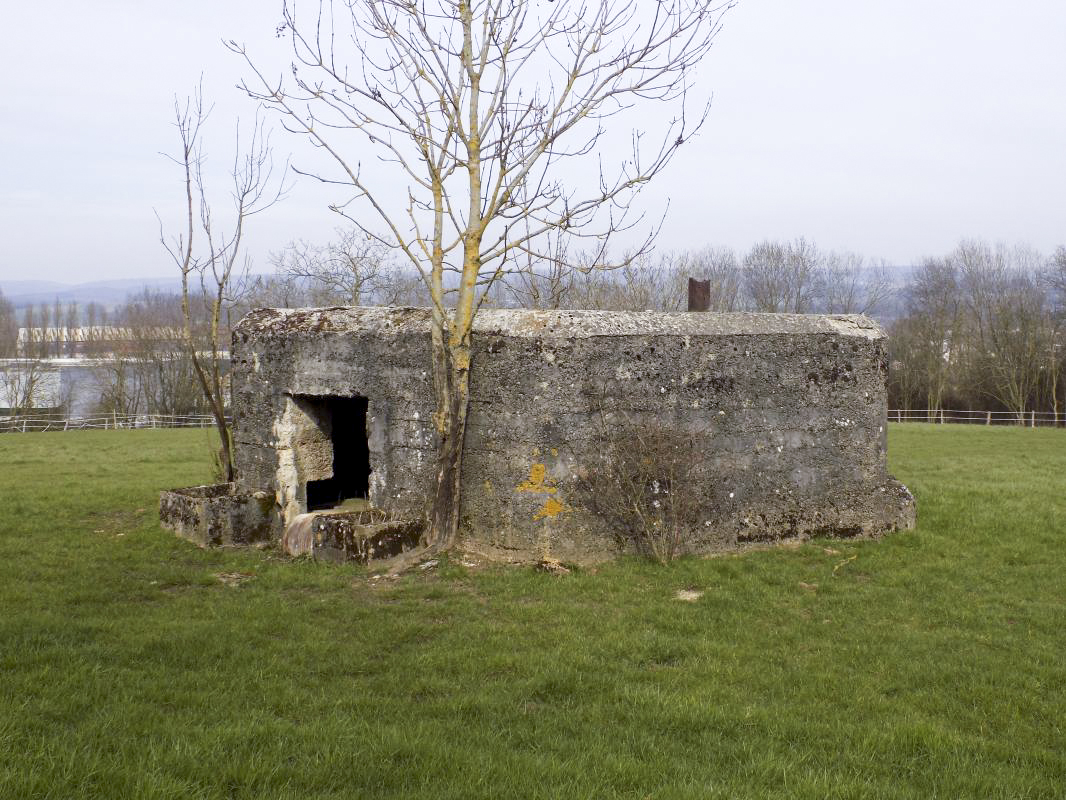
[789, 412]
[283, 358]
[219, 515]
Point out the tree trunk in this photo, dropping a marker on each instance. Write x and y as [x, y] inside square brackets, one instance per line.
[451, 372]
[226, 452]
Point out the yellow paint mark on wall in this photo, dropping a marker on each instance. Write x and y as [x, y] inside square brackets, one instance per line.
[536, 482]
[551, 509]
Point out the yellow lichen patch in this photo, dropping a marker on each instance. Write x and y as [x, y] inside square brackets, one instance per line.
[551, 509]
[536, 482]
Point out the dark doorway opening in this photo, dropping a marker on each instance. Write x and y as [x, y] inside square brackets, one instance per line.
[345, 420]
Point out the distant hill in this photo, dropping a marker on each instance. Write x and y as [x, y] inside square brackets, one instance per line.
[110, 294]
[29, 287]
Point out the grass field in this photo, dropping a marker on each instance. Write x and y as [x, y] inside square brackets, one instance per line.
[927, 664]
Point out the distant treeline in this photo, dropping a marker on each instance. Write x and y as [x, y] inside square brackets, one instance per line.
[982, 327]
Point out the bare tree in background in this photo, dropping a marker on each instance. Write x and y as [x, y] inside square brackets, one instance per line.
[95, 319]
[1006, 308]
[720, 267]
[207, 252]
[548, 282]
[783, 277]
[348, 270]
[31, 343]
[116, 387]
[71, 324]
[58, 329]
[643, 282]
[274, 291]
[935, 311]
[156, 357]
[9, 328]
[1054, 278]
[852, 287]
[482, 110]
[1056, 272]
[43, 335]
[20, 384]
[906, 383]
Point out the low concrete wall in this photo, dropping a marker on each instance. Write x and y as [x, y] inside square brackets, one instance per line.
[788, 410]
[340, 537]
[219, 514]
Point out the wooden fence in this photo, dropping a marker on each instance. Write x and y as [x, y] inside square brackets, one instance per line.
[32, 424]
[941, 416]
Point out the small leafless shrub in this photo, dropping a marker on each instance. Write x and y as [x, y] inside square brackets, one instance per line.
[644, 484]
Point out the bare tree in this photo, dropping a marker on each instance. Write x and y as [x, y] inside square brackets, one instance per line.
[935, 312]
[906, 382]
[9, 328]
[718, 266]
[158, 363]
[485, 111]
[21, 384]
[58, 330]
[274, 291]
[783, 277]
[348, 270]
[852, 287]
[543, 283]
[1006, 307]
[71, 333]
[209, 271]
[1054, 277]
[1056, 272]
[96, 318]
[641, 283]
[117, 388]
[31, 342]
[43, 335]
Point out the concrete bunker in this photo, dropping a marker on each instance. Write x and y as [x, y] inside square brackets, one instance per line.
[333, 415]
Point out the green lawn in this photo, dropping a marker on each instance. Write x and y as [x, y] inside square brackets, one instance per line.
[926, 664]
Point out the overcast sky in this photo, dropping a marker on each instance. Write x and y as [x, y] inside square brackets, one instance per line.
[891, 128]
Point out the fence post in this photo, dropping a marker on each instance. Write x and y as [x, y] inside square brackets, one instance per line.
[988, 418]
[1032, 418]
[941, 416]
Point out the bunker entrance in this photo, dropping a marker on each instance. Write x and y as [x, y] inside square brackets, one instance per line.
[344, 419]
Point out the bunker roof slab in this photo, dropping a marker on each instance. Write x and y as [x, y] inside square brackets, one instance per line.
[524, 323]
